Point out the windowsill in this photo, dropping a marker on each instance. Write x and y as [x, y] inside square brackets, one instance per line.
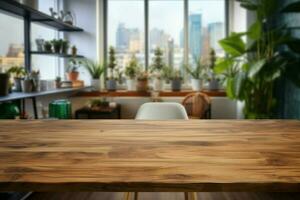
[125, 93]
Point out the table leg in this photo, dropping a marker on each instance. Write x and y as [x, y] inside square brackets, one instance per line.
[34, 108]
[190, 196]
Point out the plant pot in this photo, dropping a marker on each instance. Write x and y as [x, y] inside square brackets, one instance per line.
[73, 76]
[131, 84]
[48, 48]
[57, 84]
[213, 84]
[40, 44]
[4, 84]
[196, 84]
[64, 49]
[176, 84]
[111, 85]
[18, 84]
[96, 84]
[27, 86]
[57, 48]
[142, 85]
[158, 84]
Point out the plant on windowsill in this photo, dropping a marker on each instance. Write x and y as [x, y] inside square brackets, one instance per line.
[111, 82]
[176, 80]
[57, 45]
[251, 70]
[157, 68]
[18, 73]
[196, 73]
[95, 70]
[131, 71]
[142, 81]
[212, 77]
[72, 69]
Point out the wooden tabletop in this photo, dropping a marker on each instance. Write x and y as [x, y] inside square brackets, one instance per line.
[150, 156]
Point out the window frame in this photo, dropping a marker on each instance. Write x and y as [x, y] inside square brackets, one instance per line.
[146, 30]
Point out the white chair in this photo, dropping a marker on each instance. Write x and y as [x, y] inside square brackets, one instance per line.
[161, 111]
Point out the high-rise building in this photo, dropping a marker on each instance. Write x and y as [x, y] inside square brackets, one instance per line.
[122, 37]
[216, 33]
[195, 34]
[158, 38]
[181, 39]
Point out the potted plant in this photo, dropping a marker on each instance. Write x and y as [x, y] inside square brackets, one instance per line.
[57, 44]
[18, 74]
[111, 83]
[27, 84]
[97, 104]
[196, 74]
[35, 77]
[72, 70]
[131, 72]
[48, 47]
[176, 80]
[65, 46]
[95, 70]
[156, 69]
[213, 80]
[58, 82]
[252, 69]
[142, 82]
[4, 82]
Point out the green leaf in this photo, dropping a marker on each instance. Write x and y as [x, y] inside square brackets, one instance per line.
[223, 65]
[255, 68]
[255, 30]
[230, 88]
[233, 45]
[293, 7]
[239, 81]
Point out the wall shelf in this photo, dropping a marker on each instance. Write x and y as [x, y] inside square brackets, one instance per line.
[36, 16]
[55, 54]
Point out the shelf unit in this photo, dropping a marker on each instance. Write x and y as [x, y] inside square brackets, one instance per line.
[31, 15]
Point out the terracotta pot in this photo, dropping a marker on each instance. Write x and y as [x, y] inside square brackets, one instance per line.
[142, 85]
[73, 76]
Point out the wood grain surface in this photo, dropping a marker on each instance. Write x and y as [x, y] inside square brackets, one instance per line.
[150, 156]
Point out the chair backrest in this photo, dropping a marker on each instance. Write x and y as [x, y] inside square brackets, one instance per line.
[161, 111]
[197, 105]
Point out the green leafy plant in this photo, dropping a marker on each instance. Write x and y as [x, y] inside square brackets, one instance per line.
[112, 62]
[132, 68]
[57, 45]
[158, 63]
[74, 65]
[198, 71]
[17, 71]
[95, 69]
[98, 103]
[251, 69]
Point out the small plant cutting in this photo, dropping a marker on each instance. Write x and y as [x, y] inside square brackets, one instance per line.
[72, 69]
[111, 83]
[157, 68]
[196, 73]
[95, 70]
[131, 71]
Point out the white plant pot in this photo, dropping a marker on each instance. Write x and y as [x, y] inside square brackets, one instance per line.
[96, 84]
[158, 84]
[131, 84]
[196, 84]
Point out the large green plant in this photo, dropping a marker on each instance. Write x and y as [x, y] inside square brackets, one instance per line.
[112, 62]
[158, 62]
[198, 70]
[251, 69]
[95, 69]
[133, 67]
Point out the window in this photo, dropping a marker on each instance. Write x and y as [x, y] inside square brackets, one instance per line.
[126, 30]
[206, 27]
[182, 39]
[166, 30]
[12, 41]
[47, 65]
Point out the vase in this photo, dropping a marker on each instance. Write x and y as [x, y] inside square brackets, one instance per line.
[176, 85]
[131, 84]
[27, 85]
[142, 85]
[111, 85]
[96, 84]
[196, 84]
[17, 84]
[213, 84]
[158, 84]
[73, 76]
[4, 83]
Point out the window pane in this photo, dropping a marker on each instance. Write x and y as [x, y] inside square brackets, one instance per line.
[206, 27]
[12, 41]
[166, 19]
[126, 29]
